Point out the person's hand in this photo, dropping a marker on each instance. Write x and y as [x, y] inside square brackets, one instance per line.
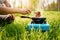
[25, 11]
[11, 16]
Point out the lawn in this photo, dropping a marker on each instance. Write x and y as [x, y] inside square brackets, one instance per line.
[17, 29]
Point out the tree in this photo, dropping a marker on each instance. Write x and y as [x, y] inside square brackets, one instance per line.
[52, 6]
[58, 4]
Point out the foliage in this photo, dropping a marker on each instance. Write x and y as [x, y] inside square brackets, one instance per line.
[17, 29]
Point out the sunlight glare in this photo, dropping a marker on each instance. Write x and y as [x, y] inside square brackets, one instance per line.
[25, 3]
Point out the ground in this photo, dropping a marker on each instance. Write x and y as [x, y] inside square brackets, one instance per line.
[17, 29]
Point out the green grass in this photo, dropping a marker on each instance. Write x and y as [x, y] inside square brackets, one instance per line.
[17, 29]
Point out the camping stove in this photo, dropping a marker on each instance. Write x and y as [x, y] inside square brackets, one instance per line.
[40, 24]
[37, 23]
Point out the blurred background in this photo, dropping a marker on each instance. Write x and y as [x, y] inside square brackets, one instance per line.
[36, 4]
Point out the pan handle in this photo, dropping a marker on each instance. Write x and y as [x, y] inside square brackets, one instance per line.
[25, 17]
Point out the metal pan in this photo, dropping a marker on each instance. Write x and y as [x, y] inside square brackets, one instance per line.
[36, 20]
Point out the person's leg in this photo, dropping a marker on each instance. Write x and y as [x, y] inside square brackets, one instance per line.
[12, 16]
[6, 18]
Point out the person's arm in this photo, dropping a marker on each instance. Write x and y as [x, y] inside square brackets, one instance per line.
[13, 10]
[8, 10]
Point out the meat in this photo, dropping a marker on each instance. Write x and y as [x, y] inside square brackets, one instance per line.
[38, 14]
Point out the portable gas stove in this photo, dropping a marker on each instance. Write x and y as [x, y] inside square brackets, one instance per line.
[38, 23]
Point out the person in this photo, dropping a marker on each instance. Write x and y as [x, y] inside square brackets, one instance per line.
[6, 12]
